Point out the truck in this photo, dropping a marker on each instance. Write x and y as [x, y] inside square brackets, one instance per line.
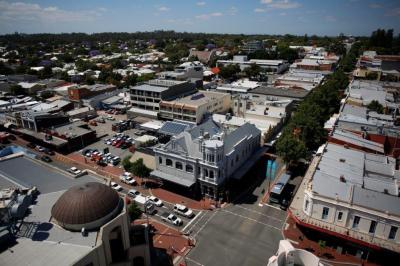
[171, 218]
[142, 202]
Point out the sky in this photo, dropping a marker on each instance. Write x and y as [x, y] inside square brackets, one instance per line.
[299, 17]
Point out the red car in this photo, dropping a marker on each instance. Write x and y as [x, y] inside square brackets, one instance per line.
[120, 143]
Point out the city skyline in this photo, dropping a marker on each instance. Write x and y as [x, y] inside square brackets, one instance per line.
[351, 17]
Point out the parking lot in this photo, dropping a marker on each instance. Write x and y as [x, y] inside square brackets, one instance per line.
[27, 173]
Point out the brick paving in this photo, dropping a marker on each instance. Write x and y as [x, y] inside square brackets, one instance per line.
[165, 237]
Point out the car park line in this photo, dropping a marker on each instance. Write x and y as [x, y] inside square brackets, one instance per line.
[260, 213]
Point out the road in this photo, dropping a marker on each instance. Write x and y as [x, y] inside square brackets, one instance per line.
[243, 233]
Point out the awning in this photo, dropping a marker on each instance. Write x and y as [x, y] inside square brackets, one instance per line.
[174, 179]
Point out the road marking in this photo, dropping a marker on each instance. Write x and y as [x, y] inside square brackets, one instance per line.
[191, 221]
[263, 214]
[204, 214]
[266, 204]
[251, 219]
[204, 225]
[195, 262]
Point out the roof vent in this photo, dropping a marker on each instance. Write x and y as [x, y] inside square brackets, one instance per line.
[342, 179]
[386, 191]
[342, 160]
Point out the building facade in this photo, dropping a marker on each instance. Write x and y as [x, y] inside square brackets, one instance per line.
[196, 107]
[206, 156]
[354, 195]
[147, 96]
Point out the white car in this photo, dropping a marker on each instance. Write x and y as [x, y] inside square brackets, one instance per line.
[183, 211]
[127, 179]
[74, 170]
[156, 201]
[115, 186]
[110, 117]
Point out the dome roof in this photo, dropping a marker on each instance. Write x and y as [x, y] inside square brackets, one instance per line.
[85, 204]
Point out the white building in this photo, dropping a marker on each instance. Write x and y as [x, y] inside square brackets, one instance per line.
[194, 108]
[207, 155]
[276, 66]
[287, 255]
[185, 71]
[353, 195]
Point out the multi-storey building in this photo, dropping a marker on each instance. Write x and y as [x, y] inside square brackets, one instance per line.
[276, 66]
[206, 156]
[252, 46]
[185, 71]
[194, 108]
[145, 98]
[353, 195]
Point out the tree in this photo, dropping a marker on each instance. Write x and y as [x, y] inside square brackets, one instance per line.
[131, 80]
[253, 72]
[139, 169]
[126, 163]
[46, 94]
[17, 90]
[229, 71]
[134, 211]
[374, 105]
[290, 148]
[5, 70]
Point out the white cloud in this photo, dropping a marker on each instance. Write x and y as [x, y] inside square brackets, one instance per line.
[208, 16]
[259, 10]
[184, 21]
[21, 11]
[163, 9]
[232, 10]
[330, 18]
[280, 4]
[201, 3]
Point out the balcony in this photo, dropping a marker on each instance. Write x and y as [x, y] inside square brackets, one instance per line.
[301, 217]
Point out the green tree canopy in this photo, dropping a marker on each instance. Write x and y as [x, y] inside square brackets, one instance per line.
[290, 148]
[374, 105]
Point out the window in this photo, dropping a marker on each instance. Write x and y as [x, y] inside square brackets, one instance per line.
[168, 162]
[211, 174]
[372, 227]
[178, 165]
[160, 160]
[340, 216]
[205, 172]
[189, 168]
[392, 233]
[356, 221]
[306, 205]
[325, 212]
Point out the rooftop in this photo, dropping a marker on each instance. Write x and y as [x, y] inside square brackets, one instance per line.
[283, 92]
[356, 177]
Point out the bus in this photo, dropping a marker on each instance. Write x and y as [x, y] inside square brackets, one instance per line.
[277, 193]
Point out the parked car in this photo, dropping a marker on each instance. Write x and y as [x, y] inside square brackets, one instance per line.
[133, 193]
[172, 219]
[46, 159]
[183, 211]
[49, 152]
[115, 186]
[40, 148]
[127, 179]
[74, 171]
[110, 117]
[156, 201]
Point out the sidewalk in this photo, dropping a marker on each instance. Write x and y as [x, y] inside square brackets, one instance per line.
[171, 240]
[175, 198]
